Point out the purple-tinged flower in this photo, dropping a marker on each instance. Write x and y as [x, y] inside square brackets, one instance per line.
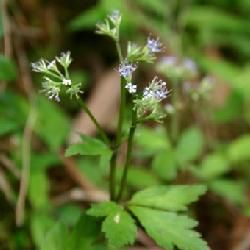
[115, 17]
[154, 45]
[157, 90]
[131, 88]
[169, 61]
[190, 65]
[126, 69]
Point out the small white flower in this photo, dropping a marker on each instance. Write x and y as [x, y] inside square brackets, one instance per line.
[126, 69]
[154, 45]
[66, 81]
[39, 66]
[190, 65]
[115, 17]
[156, 90]
[52, 65]
[131, 88]
[64, 59]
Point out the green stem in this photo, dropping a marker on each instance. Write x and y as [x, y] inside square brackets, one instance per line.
[98, 126]
[128, 157]
[118, 131]
[175, 116]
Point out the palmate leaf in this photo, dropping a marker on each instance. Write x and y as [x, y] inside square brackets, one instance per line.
[173, 198]
[169, 229]
[119, 227]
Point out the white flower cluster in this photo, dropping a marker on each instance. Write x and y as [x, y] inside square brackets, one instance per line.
[156, 90]
[154, 45]
[54, 78]
[174, 67]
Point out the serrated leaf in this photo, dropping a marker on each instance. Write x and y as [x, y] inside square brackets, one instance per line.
[189, 146]
[119, 228]
[164, 165]
[103, 209]
[173, 198]
[89, 146]
[170, 230]
[8, 69]
[238, 150]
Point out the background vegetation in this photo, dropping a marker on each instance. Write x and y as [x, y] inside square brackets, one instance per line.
[40, 188]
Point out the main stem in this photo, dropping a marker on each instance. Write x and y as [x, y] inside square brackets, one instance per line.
[119, 130]
[128, 157]
[98, 126]
[175, 117]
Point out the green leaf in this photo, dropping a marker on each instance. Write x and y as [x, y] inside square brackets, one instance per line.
[189, 146]
[238, 150]
[141, 178]
[169, 229]
[213, 165]
[52, 125]
[87, 19]
[89, 146]
[119, 228]
[234, 191]
[151, 140]
[56, 238]
[157, 6]
[84, 234]
[103, 209]
[210, 18]
[164, 165]
[173, 198]
[7, 69]
[40, 224]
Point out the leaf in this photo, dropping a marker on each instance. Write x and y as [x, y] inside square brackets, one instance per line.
[118, 226]
[84, 234]
[151, 140]
[52, 124]
[103, 209]
[7, 69]
[55, 238]
[173, 198]
[208, 18]
[213, 165]
[238, 150]
[164, 165]
[40, 224]
[157, 6]
[234, 191]
[141, 178]
[89, 146]
[169, 229]
[189, 146]
[87, 19]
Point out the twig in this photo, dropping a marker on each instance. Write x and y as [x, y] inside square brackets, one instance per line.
[25, 174]
[6, 29]
[76, 174]
[77, 194]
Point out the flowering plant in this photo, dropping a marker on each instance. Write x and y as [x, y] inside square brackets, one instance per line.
[156, 209]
